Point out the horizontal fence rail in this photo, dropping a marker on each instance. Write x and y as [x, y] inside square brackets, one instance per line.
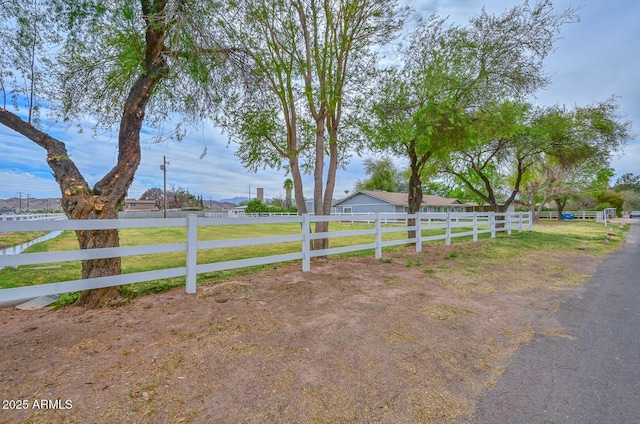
[449, 225]
[597, 215]
[32, 216]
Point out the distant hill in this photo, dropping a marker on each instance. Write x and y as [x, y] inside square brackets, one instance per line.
[218, 205]
[14, 204]
[235, 200]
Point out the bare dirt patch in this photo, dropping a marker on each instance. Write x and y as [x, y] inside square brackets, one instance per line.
[416, 339]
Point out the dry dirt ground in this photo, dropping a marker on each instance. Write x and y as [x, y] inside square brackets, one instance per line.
[417, 339]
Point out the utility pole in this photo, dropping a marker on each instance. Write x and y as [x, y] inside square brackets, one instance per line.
[163, 167]
[20, 204]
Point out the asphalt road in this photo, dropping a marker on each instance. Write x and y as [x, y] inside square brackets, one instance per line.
[592, 374]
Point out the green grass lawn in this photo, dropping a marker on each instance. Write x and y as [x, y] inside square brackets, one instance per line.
[16, 238]
[65, 271]
[564, 235]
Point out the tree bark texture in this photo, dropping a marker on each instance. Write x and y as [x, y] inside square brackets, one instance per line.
[79, 201]
[416, 163]
[561, 202]
[318, 198]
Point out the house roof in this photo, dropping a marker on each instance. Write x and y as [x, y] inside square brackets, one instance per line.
[402, 199]
[142, 202]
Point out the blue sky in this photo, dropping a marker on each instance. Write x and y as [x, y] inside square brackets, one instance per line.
[595, 59]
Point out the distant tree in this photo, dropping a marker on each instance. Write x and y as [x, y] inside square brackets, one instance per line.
[180, 197]
[610, 199]
[256, 206]
[628, 182]
[156, 194]
[288, 186]
[383, 175]
[553, 152]
[500, 150]
[277, 202]
[580, 144]
[631, 200]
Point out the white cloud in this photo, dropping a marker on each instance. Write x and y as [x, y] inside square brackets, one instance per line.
[629, 162]
[16, 183]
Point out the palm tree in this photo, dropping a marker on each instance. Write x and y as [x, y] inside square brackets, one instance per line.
[288, 186]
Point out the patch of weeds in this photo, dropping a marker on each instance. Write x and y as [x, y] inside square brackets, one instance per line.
[143, 392]
[386, 260]
[177, 358]
[131, 351]
[226, 325]
[443, 312]
[429, 271]
[245, 347]
[452, 255]
[411, 263]
[65, 299]
[144, 395]
[394, 336]
[191, 335]
[392, 281]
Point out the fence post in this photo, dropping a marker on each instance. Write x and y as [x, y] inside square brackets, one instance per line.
[475, 226]
[378, 236]
[492, 224]
[448, 231]
[192, 252]
[306, 244]
[530, 221]
[418, 232]
[520, 222]
[507, 215]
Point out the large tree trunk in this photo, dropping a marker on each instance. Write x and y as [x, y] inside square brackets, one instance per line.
[539, 210]
[85, 205]
[100, 268]
[301, 203]
[561, 203]
[287, 199]
[331, 178]
[80, 202]
[318, 198]
[102, 202]
[532, 207]
[415, 193]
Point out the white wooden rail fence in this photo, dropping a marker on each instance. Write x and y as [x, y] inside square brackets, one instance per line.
[576, 214]
[32, 216]
[479, 223]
